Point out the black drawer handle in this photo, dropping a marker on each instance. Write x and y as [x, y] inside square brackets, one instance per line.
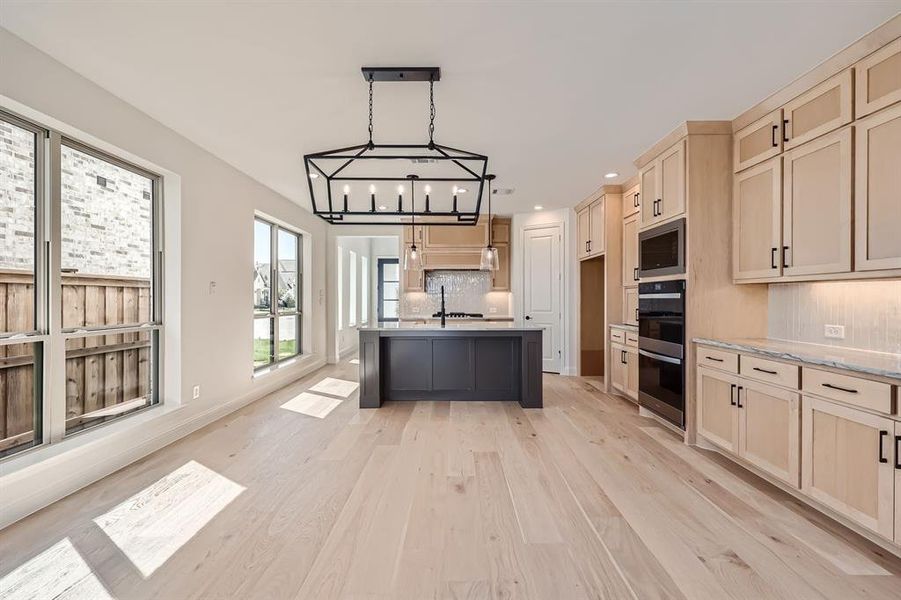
[775, 129]
[898, 452]
[882, 435]
[732, 395]
[841, 389]
[766, 371]
[714, 359]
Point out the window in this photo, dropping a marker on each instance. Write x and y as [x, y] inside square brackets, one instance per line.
[104, 357]
[388, 288]
[352, 289]
[277, 283]
[364, 288]
[340, 288]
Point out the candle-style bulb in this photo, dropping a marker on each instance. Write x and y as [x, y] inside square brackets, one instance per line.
[346, 190]
[372, 189]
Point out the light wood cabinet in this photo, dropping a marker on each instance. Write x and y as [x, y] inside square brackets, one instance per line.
[757, 222]
[500, 231]
[410, 235]
[898, 483]
[878, 79]
[816, 221]
[769, 429]
[846, 463]
[448, 259]
[630, 306]
[631, 201]
[820, 110]
[717, 414]
[501, 277]
[668, 172]
[618, 372]
[758, 141]
[632, 373]
[878, 190]
[452, 237]
[414, 281]
[630, 251]
[590, 225]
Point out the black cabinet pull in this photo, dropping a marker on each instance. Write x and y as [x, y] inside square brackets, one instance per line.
[635, 200]
[635, 274]
[898, 452]
[785, 130]
[586, 246]
[622, 357]
[636, 314]
[765, 371]
[773, 258]
[784, 263]
[714, 359]
[775, 129]
[589, 245]
[841, 389]
[738, 396]
[882, 435]
[732, 395]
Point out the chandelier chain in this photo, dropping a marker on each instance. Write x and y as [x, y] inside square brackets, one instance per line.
[431, 111]
[370, 110]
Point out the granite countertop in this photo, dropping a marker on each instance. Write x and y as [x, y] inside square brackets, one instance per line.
[491, 319]
[452, 326]
[861, 361]
[625, 326]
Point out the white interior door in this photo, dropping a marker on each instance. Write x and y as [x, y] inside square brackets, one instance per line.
[543, 290]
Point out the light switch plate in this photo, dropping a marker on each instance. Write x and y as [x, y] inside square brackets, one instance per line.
[196, 392]
[836, 332]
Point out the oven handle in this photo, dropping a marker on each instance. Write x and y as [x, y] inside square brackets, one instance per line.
[660, 357]
[663, 296]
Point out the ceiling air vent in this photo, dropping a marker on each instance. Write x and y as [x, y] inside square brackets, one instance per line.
[503, 191]
[423, 161]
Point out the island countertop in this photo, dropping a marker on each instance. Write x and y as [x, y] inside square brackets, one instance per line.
[508, 326]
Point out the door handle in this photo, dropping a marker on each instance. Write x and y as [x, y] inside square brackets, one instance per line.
[773, 256]
[768, 372]
[589, 245]
[785, 130]
[635, 274]
[775, 129]
[732, 395]
[784, 263]
[622, 357]
[898, 452]
[635, 200]
[586, 246]
[528, 318]
[738, 397]
[841, 389]
[882, 435]
[636, 314]
[714, 359]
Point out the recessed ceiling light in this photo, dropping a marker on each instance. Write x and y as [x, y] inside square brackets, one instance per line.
[611, 175]
[314, 175]
[538, 207]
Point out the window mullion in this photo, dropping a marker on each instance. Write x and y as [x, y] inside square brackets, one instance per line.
[54, 375]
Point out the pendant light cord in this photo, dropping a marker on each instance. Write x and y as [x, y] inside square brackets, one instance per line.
[489, 214]
[431, 112]
[370, 110]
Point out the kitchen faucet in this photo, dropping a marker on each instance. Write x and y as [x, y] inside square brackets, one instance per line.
[443, 312]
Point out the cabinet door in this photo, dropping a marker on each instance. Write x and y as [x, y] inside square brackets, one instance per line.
[898, 483]
[671, 182]
[648, 182]
[596, 241]
[757, 221]
[500, 231]
[414, 281]
[769, 431]
[878, 79]
[584, 232]
[846, 464]
[630, 305]
[758, 141]
[631, 201]
[501, 278]
[717, 408]
[816, 198]
[449, 237]
[878, 191]
[409, 235]
[618, 373]
[819, 110]
[632, 374]
[630, 251]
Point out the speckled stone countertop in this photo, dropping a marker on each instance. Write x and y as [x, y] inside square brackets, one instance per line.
[625, 326]
[860, 361]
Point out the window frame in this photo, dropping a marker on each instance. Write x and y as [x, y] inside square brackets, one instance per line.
[275, 312]
[380, 265]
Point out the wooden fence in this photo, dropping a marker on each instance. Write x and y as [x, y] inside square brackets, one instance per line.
[104, 373]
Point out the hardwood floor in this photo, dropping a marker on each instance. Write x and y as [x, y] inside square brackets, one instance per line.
[583, 499]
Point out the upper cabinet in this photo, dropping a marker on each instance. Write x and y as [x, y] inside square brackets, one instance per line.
[878, 80]
[758, 141]
[631, 201]
[757, 221]
[878, 191]
[664, 197]
[454, 237]
[590, 226]
[630, 251]
[822, 109]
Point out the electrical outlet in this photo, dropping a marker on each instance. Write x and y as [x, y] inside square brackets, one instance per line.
[196, 392]
[834, 331]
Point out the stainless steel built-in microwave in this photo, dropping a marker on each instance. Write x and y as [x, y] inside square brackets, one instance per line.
[661, 250]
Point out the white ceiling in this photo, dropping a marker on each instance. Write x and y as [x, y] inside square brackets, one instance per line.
[556, 94]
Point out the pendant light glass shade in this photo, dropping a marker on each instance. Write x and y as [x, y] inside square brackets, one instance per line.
[489, 260]
[412, 258]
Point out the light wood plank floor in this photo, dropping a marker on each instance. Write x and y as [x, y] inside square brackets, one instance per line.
[583, 499]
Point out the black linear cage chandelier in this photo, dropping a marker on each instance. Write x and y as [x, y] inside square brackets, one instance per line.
[365, 184]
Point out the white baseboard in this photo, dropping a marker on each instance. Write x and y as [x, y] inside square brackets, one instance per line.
[32, 488]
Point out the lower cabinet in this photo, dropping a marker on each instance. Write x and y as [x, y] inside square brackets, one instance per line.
[624, 370]
[898, 483]
[848, 463]
[630, 305]
[758, 422]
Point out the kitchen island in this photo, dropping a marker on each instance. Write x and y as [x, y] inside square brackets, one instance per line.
[462, 361]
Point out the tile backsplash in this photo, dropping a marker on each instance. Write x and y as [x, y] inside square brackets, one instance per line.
[870, 311]
[464, 291]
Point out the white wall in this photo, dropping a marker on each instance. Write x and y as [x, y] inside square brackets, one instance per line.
[214, 206]
[565, 217]
[347, 337]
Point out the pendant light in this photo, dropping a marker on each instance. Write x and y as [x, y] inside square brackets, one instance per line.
[412, 255]
[489, 261]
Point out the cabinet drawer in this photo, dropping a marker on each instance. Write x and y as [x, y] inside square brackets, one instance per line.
[618, 336]
[873, 395]
[758, 141]
[718, 359]
[632, 339]
[770, 371]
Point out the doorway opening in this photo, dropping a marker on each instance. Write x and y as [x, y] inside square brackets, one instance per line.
[591, 321]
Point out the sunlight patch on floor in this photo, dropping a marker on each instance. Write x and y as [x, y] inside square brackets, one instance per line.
[312, 405]
[57, 573]
[153, 524]
[335, 387]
